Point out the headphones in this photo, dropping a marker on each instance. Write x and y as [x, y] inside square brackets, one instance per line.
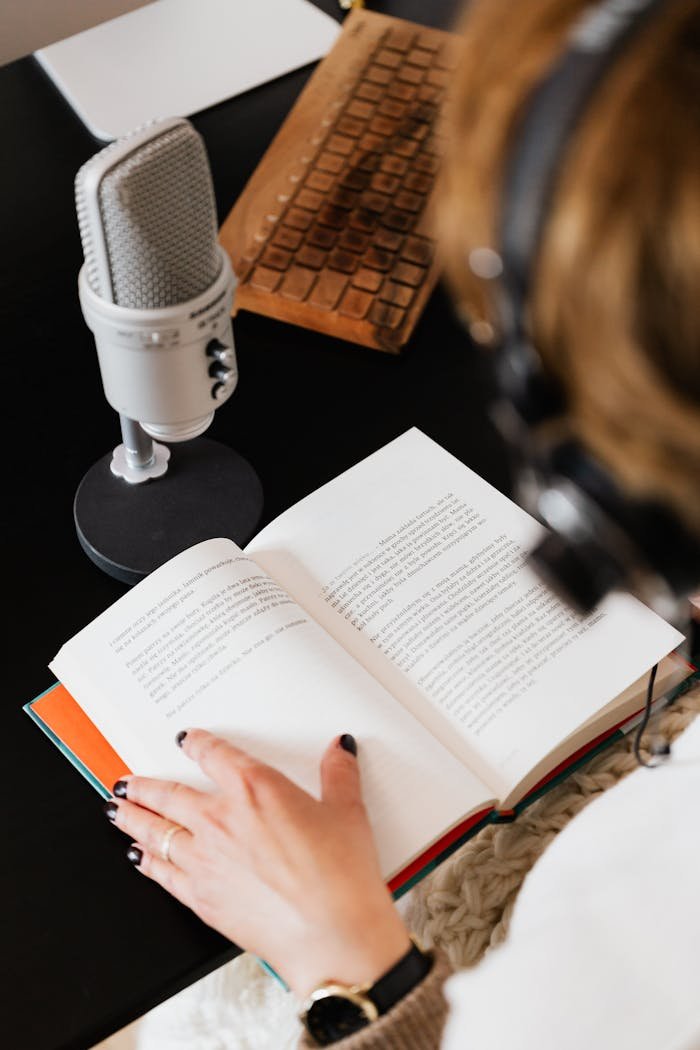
[598, 538]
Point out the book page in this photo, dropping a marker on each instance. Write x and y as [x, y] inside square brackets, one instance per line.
[416, 565]
[210, 640]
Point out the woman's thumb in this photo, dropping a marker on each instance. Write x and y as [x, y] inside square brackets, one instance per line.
[340, 774]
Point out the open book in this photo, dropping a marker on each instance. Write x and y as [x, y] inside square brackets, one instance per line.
[393, 603]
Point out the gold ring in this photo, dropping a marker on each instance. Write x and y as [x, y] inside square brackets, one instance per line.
[167, 839]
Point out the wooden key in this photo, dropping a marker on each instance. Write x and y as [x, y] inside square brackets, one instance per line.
[328, 290]
[297, 283]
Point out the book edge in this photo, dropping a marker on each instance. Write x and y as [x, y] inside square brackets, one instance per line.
[63, 748]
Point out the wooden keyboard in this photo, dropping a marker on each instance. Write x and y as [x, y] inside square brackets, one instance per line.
[332, 231]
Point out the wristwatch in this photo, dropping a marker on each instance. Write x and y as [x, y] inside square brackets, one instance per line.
[334, 1011]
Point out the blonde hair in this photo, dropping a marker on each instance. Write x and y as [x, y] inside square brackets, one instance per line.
[615, 311]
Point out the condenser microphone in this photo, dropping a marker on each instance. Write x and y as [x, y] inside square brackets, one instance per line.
[156, 288]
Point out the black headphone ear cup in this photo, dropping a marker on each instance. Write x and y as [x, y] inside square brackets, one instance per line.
[534, 395]
[581, 574]
[602, 539]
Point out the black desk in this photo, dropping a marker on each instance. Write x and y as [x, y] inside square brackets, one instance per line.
[87, 944]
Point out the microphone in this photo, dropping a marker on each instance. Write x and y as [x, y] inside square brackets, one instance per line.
[156, 290]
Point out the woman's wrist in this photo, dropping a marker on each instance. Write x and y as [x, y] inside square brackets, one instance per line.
[336, 1011]
[357, 955]
[415, 1021]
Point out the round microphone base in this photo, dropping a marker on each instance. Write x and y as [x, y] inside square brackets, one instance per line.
[129, 530]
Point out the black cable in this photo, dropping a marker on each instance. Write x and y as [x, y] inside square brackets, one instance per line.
[661, 750]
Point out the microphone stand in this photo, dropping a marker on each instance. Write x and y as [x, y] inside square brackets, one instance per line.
[140, 505]
[139, 458]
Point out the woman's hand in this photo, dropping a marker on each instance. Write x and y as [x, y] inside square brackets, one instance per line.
[294, 880]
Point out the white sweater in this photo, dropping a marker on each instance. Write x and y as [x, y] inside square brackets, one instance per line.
[603, 949]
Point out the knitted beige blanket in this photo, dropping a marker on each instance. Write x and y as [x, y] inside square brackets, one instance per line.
[464, 907]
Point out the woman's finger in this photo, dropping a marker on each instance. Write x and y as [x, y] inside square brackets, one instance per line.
[153, 833]
[167, 875]
[222, 762]
[176, 802]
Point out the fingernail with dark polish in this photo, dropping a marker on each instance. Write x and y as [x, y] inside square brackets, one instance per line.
[119, 789]
[180, 737]
[110, 809]
[135, 855]
[348, 743]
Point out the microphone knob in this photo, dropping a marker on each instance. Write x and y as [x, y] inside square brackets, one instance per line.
[221, 371]
[215, 348]
[222, 354]
[226, 357]
[219, 391]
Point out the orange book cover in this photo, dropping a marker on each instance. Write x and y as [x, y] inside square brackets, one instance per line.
[65, 722]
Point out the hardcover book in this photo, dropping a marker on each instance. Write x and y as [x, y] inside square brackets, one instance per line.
[394, 603]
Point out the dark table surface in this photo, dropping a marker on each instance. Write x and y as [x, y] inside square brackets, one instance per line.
[88, 945]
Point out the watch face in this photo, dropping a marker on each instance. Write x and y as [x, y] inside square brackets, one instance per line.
[334, 1017]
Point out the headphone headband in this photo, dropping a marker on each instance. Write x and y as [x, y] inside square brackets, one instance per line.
[544, 132]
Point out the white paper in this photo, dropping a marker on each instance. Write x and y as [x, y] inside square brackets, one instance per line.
[177, 57]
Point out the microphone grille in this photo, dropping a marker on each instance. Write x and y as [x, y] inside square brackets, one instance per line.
[147, 218]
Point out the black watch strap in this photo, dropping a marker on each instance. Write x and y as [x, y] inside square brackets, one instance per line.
[335, 1011]
[400, 979]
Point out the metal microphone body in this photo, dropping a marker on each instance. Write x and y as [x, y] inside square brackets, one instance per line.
[156, 288]
[169, 367]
